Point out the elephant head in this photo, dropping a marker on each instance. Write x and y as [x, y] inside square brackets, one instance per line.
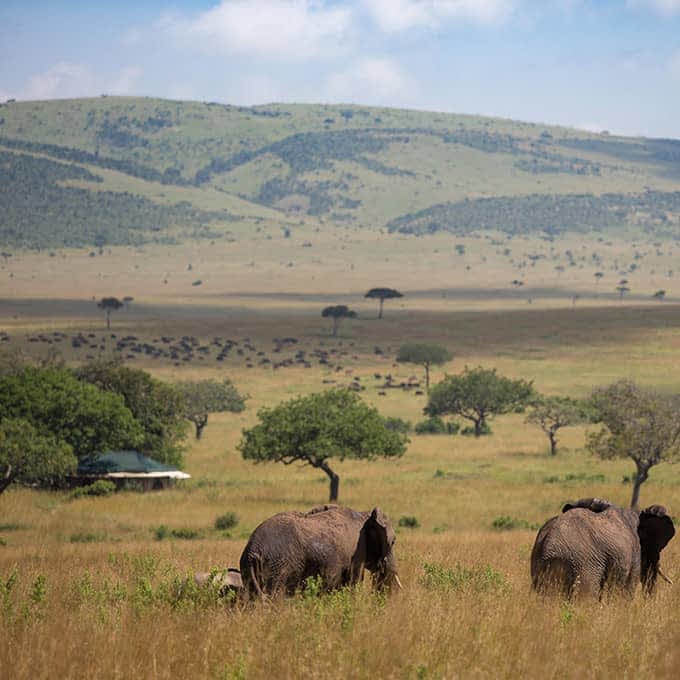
[375, 550]
[655, 530]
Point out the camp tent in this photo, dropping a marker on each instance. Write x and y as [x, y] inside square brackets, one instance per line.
[122, 467]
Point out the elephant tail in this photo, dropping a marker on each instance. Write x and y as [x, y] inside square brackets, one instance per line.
[252, 571]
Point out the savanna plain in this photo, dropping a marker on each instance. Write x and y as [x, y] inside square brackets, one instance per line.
[87, 589]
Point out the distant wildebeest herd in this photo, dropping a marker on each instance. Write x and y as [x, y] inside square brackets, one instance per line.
[591, 549]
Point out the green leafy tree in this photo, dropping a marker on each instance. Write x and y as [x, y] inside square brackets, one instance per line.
[551, 414]
[29, 457]
[209, 396]
[477, 394]
[424, 355]
[317, 427]
[337, 313]
[157, 406]
[90, 420]
[639, 424]
[383, 294]
[109, 304]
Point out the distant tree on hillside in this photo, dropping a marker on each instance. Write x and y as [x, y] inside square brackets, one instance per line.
[127, 300]
[659, 295]
[383, 294]
[109, 304]
[337, 313]
[622, 290]
[425, 355]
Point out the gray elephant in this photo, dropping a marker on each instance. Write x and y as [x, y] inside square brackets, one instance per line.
[331, 542]
[224, 581]
[594, 547]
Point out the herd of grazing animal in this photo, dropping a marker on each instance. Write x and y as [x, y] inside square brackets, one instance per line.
[593, 548]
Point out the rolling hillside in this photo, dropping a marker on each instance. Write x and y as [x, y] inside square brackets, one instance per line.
[123, 171]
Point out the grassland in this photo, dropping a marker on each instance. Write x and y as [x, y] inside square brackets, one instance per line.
[88, 590]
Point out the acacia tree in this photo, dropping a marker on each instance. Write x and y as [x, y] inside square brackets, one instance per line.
[209, 396]
[638, 424]
[317, 427]
[553, 413]
[382, 294]
[477, 394]
[109, 304]
[29, 457]
[337, 313]
[424, 355]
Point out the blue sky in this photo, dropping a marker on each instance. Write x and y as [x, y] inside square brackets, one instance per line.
[609, 64]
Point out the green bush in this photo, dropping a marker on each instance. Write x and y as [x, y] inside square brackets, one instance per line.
[397, 424]
[227, 521]
[163, 531]
[469, 431]
[432, 425]
[87, 537]
[507, 523]
[478, 578]
[102, 487]
[409, 521]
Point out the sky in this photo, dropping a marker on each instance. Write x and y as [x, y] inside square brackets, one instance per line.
[592, 64]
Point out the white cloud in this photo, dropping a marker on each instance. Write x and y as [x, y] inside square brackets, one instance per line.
[394, 16]
[370, 81]
[663, 7]
[282, 29]
[67, 80]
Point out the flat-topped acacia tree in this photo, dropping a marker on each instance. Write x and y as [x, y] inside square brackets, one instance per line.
[109, 304]
[383, 294]
[314, 428]
[337, 313]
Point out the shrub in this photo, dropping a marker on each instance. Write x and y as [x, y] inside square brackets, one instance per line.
[397, 424]
[507, 523]
[432, 425]
[409, 521]
[469, 431]
[102, 487]
[478, 578]
[87, 537]
[163, 531]
[227, 521]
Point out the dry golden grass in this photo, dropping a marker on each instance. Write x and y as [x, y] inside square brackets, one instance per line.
[94, 592]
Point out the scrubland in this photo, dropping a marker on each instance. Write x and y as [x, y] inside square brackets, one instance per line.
[87, 589]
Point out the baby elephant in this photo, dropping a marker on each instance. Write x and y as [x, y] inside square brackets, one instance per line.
[594, 546]
[330, 541]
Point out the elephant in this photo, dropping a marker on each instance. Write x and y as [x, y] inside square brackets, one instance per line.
[332, 542]
[595, 547]
[225, 581]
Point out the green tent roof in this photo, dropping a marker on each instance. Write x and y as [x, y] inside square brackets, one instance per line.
[121, 461]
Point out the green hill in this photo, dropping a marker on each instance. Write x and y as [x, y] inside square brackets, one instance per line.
[116, 170]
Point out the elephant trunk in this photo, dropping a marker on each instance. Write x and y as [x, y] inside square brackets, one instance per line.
[387, 576]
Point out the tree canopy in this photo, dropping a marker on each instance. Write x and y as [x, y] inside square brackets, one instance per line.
[314, 428]
[157, 406]
[477, 394]
[109, 304]
[424, 355]
[553, 413]
[29, 457]
[383, 294]
[639, 424]
[337, 313]
[88, 419]
[209, 396]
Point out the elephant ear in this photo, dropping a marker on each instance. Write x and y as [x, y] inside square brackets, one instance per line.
[592, 504]
[378, 546]
[655, 529]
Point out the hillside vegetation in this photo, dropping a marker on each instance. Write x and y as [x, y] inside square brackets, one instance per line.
[118, 170]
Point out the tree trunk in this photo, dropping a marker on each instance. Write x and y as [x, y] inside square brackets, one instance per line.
[478, 427]
[6, 479]
[200, 423]
[641, 475]
[108, 318]
[553, 443]
[334, 482]
[335, 325]
[380, 312]
[427, 377]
